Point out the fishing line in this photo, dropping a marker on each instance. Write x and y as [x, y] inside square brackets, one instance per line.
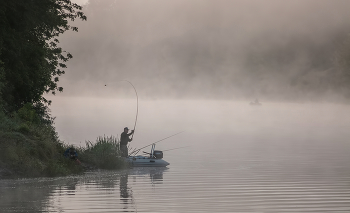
[155, 143]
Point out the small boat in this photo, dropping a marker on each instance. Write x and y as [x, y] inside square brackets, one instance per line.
[256, 102]
[154, 159]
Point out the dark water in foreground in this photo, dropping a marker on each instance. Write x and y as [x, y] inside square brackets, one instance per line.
[290, 180]
[275, 158]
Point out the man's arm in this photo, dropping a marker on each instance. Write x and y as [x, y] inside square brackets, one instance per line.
[132, 132]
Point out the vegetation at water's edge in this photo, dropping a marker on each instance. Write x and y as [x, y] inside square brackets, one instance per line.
[31, 62]
[104, 154]
[29, 146]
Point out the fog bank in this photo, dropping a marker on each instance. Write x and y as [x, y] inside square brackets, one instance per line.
[274, 50]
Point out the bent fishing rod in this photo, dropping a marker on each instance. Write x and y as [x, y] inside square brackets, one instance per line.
[137, 150]
[137, 107]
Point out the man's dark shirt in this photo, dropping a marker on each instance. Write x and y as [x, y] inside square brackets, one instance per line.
[124, 138]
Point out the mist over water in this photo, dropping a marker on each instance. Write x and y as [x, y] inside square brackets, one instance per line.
[196, 65]
[273, 50]
[205, 122]
[277, 157]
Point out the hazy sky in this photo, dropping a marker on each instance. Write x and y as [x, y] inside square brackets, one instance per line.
[196, 49]
[205, 48]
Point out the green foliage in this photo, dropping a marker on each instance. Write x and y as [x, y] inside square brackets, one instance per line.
[105, 153]
[2, 77]
[27, 113]
[31, 148]
[31, 59]
[23, 128]
[30, 64]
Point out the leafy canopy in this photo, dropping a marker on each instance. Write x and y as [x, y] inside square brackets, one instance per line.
[31, 60]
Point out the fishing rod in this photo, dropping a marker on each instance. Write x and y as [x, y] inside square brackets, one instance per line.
[137, 150]
[169, 149]
[175, 148]
[137, 107]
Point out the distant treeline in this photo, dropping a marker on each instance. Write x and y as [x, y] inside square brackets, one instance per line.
[301, 69]
[280, 50]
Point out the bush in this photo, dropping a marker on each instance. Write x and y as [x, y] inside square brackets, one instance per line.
[104, 154]
[31, 148]
[27, 113]
[23, 128]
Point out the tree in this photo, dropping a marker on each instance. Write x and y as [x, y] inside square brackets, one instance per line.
[31, 60]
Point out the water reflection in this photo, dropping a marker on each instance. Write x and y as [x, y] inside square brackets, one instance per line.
[97, 191]
[71, 187]
[126, 192]
[24, 195]
[126, 196]
[155, 173]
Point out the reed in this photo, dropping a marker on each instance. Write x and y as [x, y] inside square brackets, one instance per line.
[104, 153]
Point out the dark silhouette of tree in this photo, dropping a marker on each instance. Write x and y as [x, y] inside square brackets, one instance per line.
[31, 60]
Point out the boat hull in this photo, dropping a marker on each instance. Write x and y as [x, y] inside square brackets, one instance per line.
[141, 161]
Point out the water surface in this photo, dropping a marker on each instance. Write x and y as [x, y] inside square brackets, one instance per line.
[273, 158]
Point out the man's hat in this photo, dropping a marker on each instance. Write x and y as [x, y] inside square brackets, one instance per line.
[126, 128]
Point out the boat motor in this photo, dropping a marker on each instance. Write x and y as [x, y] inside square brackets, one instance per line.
[158, 154]
[155, 153]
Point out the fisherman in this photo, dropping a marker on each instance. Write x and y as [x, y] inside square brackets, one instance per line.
[124, 139]
[72, 154]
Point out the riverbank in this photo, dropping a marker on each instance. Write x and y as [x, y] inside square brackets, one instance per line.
[30, 147]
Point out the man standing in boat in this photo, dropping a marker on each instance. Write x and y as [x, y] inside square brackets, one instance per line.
[124, 139]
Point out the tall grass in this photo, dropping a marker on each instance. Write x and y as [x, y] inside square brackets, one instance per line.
[104, 154]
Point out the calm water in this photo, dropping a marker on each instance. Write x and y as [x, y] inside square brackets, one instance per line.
[273, 158]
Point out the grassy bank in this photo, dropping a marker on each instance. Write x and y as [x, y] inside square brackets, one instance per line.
[30, 147]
